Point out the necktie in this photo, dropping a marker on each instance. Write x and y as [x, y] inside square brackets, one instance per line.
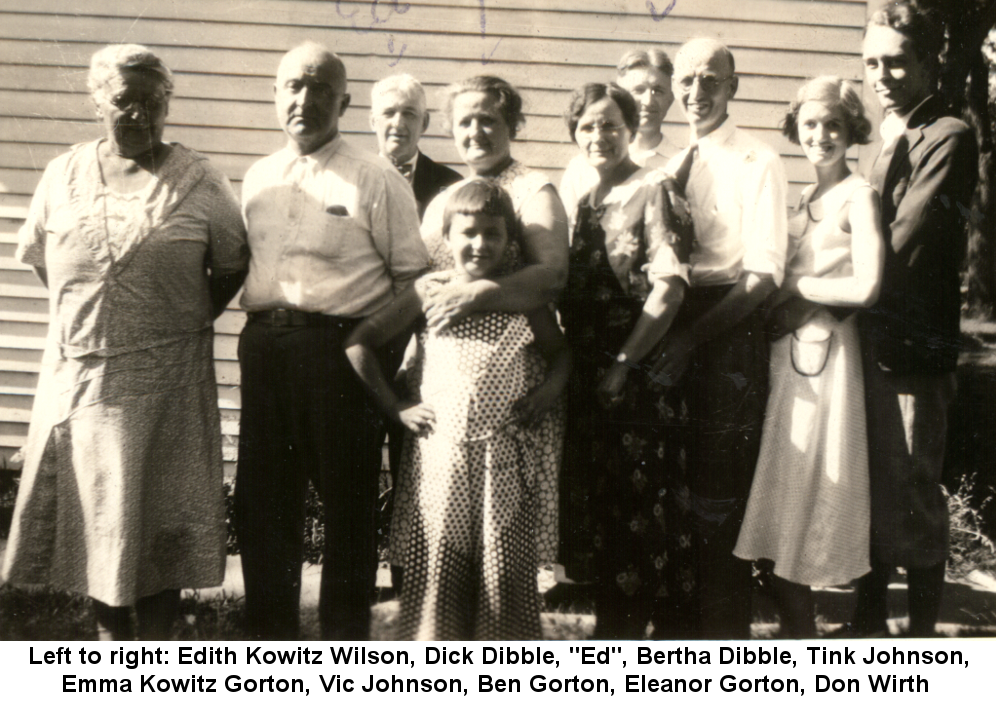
[685, 169]
[406, 170]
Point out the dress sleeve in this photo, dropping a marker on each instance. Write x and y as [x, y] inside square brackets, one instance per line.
[227, 244]
[31, 237]
[667, 249]
[432, 230]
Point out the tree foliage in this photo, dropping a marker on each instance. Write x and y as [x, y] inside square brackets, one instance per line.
[967, 88]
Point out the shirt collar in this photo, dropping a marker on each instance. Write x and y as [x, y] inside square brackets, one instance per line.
[714, 139]
[320, 156]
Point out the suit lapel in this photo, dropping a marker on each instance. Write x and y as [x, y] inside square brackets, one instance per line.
[422, 179]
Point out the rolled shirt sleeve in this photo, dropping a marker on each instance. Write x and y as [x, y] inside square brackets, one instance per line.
[394, 228]
[764, 227]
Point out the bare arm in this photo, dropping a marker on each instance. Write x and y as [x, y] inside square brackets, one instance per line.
[659, 310]
[545, 239]
[553, 346]
[867, 254]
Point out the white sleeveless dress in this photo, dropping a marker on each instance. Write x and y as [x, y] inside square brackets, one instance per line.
[809, 503]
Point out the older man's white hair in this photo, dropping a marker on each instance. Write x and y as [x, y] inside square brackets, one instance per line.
[402, 83]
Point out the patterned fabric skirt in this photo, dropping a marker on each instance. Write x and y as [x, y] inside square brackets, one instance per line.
[613, 523]
[464, 532]
[713, 439]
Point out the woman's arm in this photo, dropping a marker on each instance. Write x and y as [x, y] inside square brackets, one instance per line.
[867, 254]
[373, 333]
[222, 288]
[659, 311]
[553, 346]
[544, 237]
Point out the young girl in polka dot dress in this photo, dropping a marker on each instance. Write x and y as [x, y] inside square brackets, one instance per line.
[465, 509]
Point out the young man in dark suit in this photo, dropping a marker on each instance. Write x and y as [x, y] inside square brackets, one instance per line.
[399, 117]
[925, 174]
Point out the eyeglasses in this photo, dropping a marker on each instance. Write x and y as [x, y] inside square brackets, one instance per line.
[607, 128]
[708, 83]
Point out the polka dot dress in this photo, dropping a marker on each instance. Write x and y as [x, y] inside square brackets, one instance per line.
[465, 518]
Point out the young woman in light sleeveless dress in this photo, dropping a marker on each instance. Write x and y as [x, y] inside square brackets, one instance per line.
[809, 504]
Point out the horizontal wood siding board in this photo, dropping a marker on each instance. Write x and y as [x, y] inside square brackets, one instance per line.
[224, 55]
[279, 27]
[845, 13]
[794, 46]
[222, 88]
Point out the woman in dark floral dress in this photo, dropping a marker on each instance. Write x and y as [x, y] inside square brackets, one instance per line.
[627, 277]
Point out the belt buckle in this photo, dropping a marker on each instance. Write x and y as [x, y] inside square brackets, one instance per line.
[281, 317]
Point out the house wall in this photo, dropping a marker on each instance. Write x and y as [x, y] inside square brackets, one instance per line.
[225, 53]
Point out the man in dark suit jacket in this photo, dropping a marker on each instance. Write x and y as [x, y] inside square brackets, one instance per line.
[399, 117]
[925, 175]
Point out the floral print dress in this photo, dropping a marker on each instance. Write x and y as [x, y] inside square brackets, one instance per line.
[613, 524]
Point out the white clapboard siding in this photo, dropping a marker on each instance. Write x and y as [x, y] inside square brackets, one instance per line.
[224, 54]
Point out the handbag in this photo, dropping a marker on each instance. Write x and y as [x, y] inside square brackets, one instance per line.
[810, 346]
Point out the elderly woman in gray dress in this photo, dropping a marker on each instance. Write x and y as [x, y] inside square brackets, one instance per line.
[141, 245]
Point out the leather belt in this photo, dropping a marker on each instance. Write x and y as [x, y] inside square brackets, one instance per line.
[296, 317]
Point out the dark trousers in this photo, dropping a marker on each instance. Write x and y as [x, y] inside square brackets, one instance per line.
[714, 441]
[907, 430]
[305, 416]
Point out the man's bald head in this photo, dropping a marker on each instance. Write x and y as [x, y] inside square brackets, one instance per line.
[704, 47]
[310, 96]
[704, 83]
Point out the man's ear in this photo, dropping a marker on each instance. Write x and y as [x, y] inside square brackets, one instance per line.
[425, 122]
[345, 103]
[734, 84]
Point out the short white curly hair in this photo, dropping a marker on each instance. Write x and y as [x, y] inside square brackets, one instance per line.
[111, 61]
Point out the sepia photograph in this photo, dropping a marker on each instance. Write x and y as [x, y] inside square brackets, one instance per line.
[497, 320]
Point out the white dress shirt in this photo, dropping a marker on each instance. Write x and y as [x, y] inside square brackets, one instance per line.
[335, 231]
[736, 192]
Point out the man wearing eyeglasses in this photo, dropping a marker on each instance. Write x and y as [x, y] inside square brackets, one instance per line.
[716, 352]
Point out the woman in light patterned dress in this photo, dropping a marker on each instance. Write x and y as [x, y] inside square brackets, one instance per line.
[141, 244]
[465, 516]
[485, 114]
[627, 279]
[808, 510]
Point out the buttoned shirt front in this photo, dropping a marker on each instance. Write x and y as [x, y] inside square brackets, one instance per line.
[335, 231]
[736, 193]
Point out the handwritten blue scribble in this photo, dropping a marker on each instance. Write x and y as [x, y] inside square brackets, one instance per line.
[390, 47]
[657, 17]
[486, 57]
[394, 8]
